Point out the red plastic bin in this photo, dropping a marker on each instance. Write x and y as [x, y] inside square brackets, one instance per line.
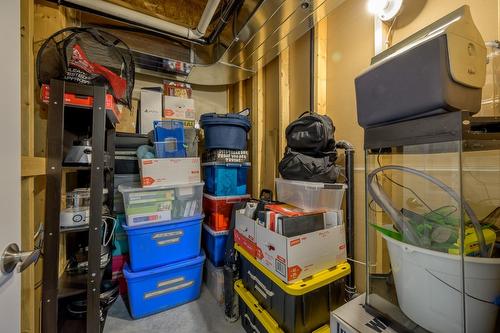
[218, 210]
[117, 264]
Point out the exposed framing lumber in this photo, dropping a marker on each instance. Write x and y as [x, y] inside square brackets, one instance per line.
[320, 52]
[284, 99]
[32, 166]
[257, 130]
[28, 308]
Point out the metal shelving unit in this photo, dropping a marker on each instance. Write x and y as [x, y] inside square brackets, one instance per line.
[102, 122]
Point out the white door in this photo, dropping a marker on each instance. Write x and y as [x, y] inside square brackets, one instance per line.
[10, 160]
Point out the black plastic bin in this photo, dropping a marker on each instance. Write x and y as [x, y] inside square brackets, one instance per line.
[301, 307]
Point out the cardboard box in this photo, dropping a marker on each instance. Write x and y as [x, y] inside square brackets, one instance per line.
[178, 108]
[244, 232]
[295, 258]
[151, 109]
[128, 120]
[169, 171]
[352, 318]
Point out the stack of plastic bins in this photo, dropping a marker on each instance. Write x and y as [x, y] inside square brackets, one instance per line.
[163, 225]
[225, 171]
[300, 307]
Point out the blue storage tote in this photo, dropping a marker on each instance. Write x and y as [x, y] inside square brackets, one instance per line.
[224, 179]
[165, 287]
[225, 131]
[161, 244]
[214, 244]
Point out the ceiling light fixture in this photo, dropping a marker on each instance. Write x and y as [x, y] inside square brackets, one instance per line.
[385, 10]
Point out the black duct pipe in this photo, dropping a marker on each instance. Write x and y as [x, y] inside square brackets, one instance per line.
[349, 211]
[311, 70]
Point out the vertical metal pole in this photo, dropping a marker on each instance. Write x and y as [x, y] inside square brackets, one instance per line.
[96, 189]
[55, 134]
[110, 176]
[349, 174]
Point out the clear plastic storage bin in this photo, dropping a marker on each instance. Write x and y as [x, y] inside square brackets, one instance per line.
[161, 204]
[310, 196]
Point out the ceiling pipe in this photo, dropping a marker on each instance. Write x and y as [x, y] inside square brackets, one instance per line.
[151, 21]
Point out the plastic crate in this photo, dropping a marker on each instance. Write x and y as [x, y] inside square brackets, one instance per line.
[158, 245]
[214, 244]
[214, 279]
[225, 156]
[255, 319]
[226, 179]
[161, 204]
[310, 196]
[120, 242]
[165, 287]
[300, 307]
[218, 210]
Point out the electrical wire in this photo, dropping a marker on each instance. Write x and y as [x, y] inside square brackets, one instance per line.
[405, 187]
[388, 40]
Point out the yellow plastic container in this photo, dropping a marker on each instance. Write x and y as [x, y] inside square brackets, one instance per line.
[306, 285]
[254, 316]
[300, 307]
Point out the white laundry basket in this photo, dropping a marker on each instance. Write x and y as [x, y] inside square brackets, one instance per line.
[428, 285]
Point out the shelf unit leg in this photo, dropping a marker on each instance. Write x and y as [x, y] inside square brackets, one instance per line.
[55, 133]
[96, 187]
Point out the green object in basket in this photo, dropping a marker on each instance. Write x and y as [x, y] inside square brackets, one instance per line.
[390, 233]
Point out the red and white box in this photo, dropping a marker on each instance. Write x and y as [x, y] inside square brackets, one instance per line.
[157, 172]
[244, 232]
[178, 108]
[295, 258]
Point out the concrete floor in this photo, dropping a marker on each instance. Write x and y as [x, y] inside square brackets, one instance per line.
[202, 315]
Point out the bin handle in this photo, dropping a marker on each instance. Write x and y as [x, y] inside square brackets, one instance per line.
[256, 279]
[255, 329]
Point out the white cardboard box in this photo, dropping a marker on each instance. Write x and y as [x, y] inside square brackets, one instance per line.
[169, 171]
[352, 318]
[151, 109]
[244, 232]
[295, 258]
[178, 108]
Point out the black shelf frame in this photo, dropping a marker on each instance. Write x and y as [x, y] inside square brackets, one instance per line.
[103, 135]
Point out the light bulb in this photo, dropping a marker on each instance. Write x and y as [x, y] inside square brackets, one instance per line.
[376, 7]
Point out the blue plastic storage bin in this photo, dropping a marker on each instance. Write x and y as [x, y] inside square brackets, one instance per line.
[214, 244]
[224, 179]
[165, 287]
[161, 244]
[225, 131]
[169, 138]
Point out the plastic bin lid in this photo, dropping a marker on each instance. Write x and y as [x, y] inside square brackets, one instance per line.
[326, 186]
[215, 233]
[227, 198]
[306, 285]
[227, 164]
[225, 119]
[130, 275]
[136, 187]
